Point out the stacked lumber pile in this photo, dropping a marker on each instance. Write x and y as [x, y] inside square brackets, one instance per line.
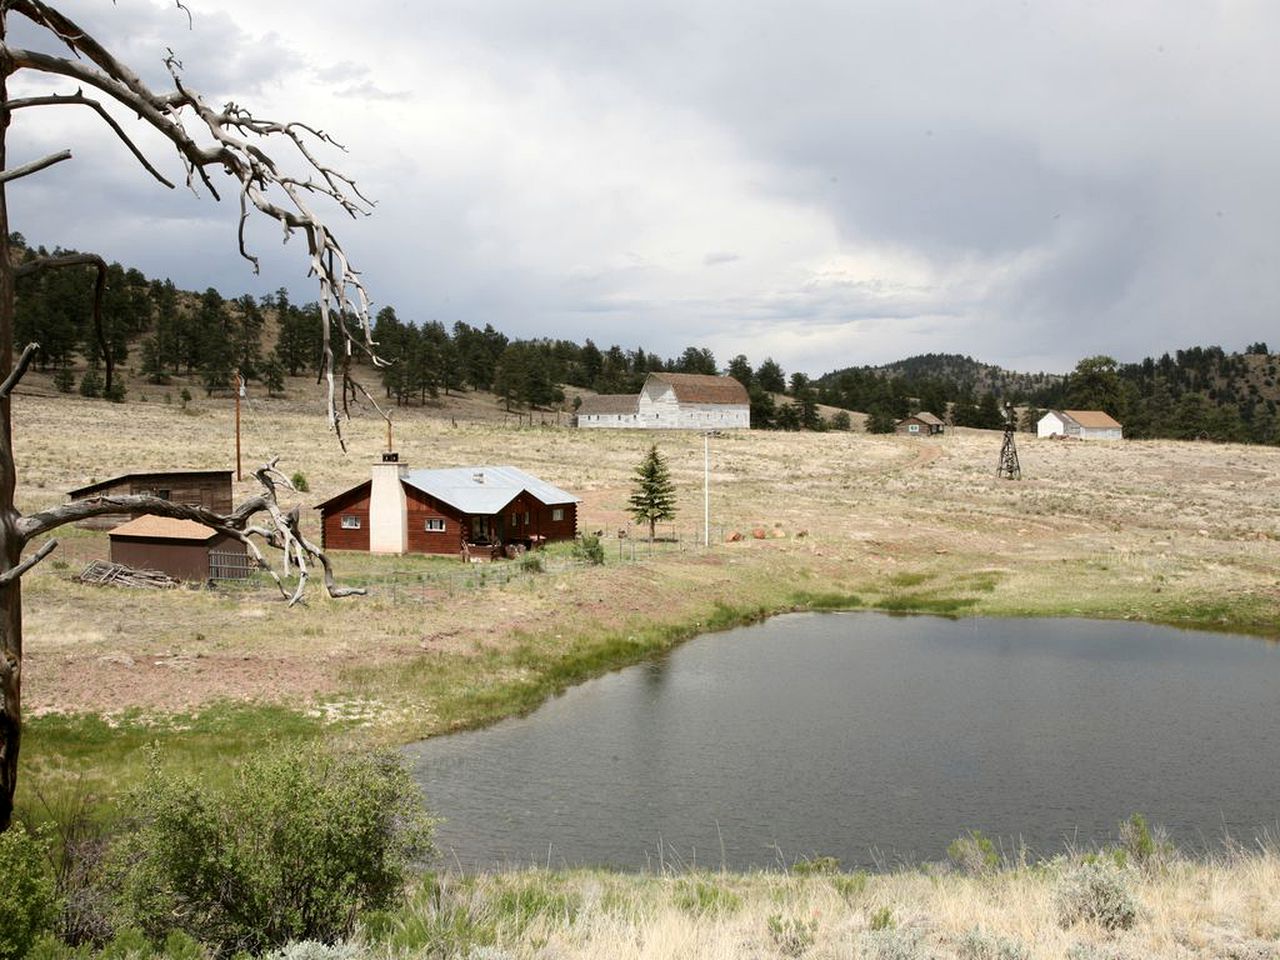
[118, 575]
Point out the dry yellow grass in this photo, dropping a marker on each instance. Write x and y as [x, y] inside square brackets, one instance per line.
[1222, 908]
[1167, 531]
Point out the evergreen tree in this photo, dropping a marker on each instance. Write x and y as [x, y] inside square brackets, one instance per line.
[740, 370]
[770, 377]
[653, 494]
[881, 420]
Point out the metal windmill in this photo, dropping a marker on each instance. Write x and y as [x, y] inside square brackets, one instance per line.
[1009, 467]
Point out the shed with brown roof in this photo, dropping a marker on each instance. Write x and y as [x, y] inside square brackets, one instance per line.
[181, 548]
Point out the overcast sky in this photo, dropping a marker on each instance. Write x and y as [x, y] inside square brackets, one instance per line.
[830, 183]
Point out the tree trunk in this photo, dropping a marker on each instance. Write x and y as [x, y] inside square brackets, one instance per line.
[10, 541]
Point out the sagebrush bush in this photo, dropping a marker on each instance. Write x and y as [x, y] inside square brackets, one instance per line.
[974, 853]
[1095, 891]
[977, 945]
[295, 848]
[589, 549]
[28, 901]
[792, 935]
[890, 944]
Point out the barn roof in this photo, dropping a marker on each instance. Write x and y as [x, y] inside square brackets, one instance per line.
[484, 490]
[925, 417]
[609, 403]
[703, 388]
[1092, 419]
[166, 528]
[112, 481]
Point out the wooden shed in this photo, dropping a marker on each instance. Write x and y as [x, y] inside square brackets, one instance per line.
[922, 424]
[181, 548]
[210, 489]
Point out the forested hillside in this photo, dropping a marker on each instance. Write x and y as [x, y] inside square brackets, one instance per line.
[156, 332]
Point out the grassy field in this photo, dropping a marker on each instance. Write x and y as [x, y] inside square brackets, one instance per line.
[1067, 909]
[1180, 533]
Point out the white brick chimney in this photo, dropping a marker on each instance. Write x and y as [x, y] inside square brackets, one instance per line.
[388, 507]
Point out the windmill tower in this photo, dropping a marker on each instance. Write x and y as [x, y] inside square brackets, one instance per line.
[1009, 467]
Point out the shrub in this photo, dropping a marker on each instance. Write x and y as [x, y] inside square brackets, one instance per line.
[977, 945]
[294, 848]
[974, 853]
[816, 866]
[64, 380]
[1095, 891]
[791, 935]
[1144, 846]
[314, 950]
[91, 384]
[890, 944]
[841, 421]
[531, 563]
[589, 549]
[703, 897]
[882, 919]
[299, 481]
[28, 901]
[116, 393]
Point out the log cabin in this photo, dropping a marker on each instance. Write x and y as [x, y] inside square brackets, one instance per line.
[472, 512]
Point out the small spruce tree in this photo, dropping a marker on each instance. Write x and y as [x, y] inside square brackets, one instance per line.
[653, 496]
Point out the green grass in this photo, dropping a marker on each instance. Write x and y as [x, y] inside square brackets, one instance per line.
[96, 758]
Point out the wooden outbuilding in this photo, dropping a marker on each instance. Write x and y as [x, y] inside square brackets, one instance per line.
[183, 549]
[1080, 424]
[210, 489]
[461, 511]
[922, 424]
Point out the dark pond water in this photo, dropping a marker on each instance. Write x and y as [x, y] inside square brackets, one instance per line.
[875, 739]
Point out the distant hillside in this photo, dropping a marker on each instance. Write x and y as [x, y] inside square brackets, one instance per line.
[960, 372]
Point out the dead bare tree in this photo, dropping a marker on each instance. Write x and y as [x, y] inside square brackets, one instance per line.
[230, 141]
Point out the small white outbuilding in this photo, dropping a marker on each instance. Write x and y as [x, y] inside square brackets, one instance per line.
[1081, 424]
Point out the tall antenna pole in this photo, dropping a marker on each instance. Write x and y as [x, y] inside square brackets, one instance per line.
[706, 489]
[1010, 469]
[390, 446]
[239, 393]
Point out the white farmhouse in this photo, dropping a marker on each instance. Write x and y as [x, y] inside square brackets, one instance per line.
[1081, 424]
[673, 401]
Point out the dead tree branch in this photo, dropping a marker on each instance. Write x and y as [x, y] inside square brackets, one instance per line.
[233, 134]
[79, 98]
[19, 368]
[35, 166]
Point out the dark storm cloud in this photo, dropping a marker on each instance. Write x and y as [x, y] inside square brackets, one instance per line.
[1027, 183]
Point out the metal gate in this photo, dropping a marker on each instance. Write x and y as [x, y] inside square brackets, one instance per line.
[230, 565]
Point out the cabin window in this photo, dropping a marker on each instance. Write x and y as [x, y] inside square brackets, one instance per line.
[913, 428]
[435, 525]
[350, 522]
[526, 518]
[163, 494]
[557, 514]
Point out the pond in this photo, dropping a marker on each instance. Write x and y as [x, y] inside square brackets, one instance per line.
[875, 739]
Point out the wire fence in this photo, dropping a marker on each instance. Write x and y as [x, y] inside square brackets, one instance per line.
[443, 579]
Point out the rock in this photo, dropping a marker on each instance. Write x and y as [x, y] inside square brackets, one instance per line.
[759, 533]
[733, 537]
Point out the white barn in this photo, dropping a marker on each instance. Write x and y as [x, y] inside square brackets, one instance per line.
[1081, 424]
[672, 401]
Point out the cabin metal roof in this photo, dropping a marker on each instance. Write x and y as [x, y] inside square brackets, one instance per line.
[484, 490]
[925, 417]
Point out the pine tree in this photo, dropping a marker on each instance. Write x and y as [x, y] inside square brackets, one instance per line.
[653, 495]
